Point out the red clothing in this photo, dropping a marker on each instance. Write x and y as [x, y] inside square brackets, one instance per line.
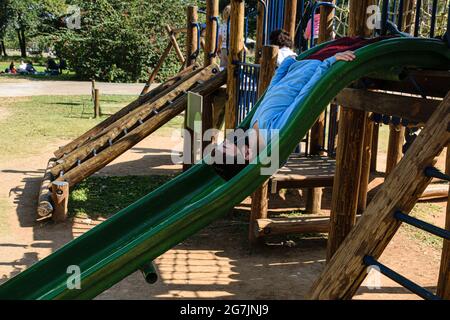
[316, 27]
[344, 44]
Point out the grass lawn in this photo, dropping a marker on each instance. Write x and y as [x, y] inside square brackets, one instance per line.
[31, 123]
[103, 196]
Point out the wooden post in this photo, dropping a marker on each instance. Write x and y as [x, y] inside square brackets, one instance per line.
[260, 32]
[235, 55]
[192, 35]
[374, 147]
[314, 195]
[443, 289]
[173, 40]
[345, 272]
[191, 48]
[260, 196]
[365, 169]
[97, 112]
[290, 15]
[60, 197]
[93, 89]
[394, 153]
[352, 127]
[212, 10]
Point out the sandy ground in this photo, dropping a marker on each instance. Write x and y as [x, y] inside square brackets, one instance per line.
[216, 263]
[26, 88]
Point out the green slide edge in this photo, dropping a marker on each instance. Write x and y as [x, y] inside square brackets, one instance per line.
[154, 224]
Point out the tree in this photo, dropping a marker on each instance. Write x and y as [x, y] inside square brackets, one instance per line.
[4, 19]
[120, 40]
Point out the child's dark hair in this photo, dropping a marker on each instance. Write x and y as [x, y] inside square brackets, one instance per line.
[281, 38]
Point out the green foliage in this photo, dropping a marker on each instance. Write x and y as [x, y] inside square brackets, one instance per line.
[120, 40]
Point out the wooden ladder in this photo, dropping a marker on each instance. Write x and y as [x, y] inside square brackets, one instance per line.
[389, 208]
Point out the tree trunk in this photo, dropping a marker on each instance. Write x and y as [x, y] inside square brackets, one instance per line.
[3, 48]
[22, 43]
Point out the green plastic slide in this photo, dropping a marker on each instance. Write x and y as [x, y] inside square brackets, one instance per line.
[162, 219]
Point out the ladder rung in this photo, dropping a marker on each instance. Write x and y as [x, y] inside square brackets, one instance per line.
[408, 284]
[433, 172]
[422, 225]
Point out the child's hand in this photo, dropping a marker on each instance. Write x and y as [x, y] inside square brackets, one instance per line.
[345, 56]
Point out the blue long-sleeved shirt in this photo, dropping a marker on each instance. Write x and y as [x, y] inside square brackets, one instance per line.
[289, 86]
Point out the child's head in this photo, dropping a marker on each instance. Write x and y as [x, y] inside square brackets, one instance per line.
[226, 13]
[281, 38]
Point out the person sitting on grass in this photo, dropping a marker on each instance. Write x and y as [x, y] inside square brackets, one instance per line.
[23, 67]
[30, 68]
[12, 68]
[52, 66]
[283, 40]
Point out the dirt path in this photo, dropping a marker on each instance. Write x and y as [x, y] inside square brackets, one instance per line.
[215, 263]
[26, 88]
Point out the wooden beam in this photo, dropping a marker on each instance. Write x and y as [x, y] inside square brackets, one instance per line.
[290, 15]
[173, 40]
[345, 271]
[127, 122]
[156, 69]
[432, 82]
[411, 108]
[284, 226]
[97, 112]
[352, 127]
[443, 289]
[309, 223]
[234, 56]
[260, 196]
[374, 147]
[94, 164]
[122, 112]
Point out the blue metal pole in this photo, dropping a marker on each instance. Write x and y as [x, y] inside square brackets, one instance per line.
[408, 284]
[433, 18]
[400, 216]
[418, 18]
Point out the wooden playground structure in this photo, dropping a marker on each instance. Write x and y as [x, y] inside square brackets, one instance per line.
[341, 148]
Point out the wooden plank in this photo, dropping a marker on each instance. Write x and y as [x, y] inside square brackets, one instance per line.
[128, 122]
[443, 289]
[433, 83]
[94, 164]
[260, 196]
[260, 31]
[345, 271]
[122, 112]
[286, 226]
[374, 146]
[235, 55]
[411, 108]
[310, 223]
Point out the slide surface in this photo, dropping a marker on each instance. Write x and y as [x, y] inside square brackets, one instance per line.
[162, 219]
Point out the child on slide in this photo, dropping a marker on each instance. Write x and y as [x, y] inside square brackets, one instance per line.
[290, 84]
